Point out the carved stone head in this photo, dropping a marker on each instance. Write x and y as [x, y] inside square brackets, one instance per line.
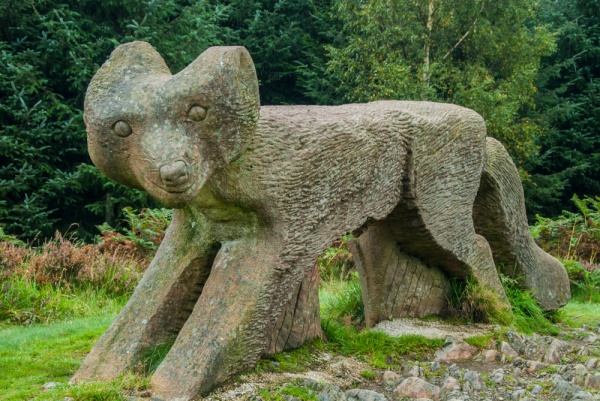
[168, 134]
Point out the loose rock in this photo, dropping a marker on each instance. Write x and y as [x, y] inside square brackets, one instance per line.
[388, 375]
[475, 379]
[364, 395]
[415, 387]
[497, 376]
[507, 350]
[557, 350]
[457, 350]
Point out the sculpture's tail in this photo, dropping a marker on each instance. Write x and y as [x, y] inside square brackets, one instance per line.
[499, 215]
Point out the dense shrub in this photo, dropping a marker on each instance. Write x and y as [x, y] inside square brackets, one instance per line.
[572, 236]
[575, 239]
[64, 277]
[335, 263]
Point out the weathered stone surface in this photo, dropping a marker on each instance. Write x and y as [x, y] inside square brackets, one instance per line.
[415, 371]
[300, 320]
[491, 355]
[258, 199]
[562, 389]
[388, 375]
[534, 366]
[591, 363]
[331, 393]
[497, 376]
[556, 351]
[507, 350]
[415, 387]
[454, 351]
[475, 379]
[364, 395]
[580, 373]
[583, 396]
[593, 381]
[450, 384]
[516, 341]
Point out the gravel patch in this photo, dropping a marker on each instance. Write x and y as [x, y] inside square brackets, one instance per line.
[431, 329]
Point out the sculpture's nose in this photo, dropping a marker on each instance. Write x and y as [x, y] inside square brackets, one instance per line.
[174, 174]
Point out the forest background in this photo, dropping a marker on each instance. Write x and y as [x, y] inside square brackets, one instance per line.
[531, 68]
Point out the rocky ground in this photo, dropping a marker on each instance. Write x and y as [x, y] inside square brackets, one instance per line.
[517, 367]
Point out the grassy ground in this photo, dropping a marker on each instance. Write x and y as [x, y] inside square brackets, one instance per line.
[33, 356]
[576, 313]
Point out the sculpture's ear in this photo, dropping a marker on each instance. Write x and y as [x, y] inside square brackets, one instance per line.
[130, 66]
[230, 73]
[129, 61]
[227, 75]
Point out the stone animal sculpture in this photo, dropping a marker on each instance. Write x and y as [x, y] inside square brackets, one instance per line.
[259, 193]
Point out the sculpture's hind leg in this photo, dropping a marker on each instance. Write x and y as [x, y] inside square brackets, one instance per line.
[434, 219]
[394, 283]
[499, 214]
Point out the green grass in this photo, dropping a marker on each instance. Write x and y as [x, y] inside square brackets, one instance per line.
[528, 317]
[24, 301]
[288, 389]
[379, 349]
[368, 374]
[32, 356]
[576, 313]
[342, 300]
[480, 341]
[295, 361]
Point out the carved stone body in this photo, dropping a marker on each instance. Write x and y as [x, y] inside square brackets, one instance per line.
[258, 199]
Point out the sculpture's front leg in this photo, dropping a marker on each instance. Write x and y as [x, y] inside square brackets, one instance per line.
[247, 288]
[160, 304]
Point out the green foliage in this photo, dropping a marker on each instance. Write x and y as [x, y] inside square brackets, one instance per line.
[154, 356]
[475, 303]
[576, 313]
[572, 236]
[481, 341]
[295, 361]
[336, 263]
[568, 102]
[143, 230]
[368, 374]
[48, 52]
[287, 390]
[25, 302]
[575, 238]
[472, 302]
[528, 317]
[342, 301]
[479, 54]
[286, 40]
[32, 356]
[585, 282]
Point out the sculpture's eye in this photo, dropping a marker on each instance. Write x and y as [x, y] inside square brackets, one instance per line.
[122, 129]
[196, 113]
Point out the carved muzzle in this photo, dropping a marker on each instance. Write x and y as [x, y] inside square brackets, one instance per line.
[175, 176]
